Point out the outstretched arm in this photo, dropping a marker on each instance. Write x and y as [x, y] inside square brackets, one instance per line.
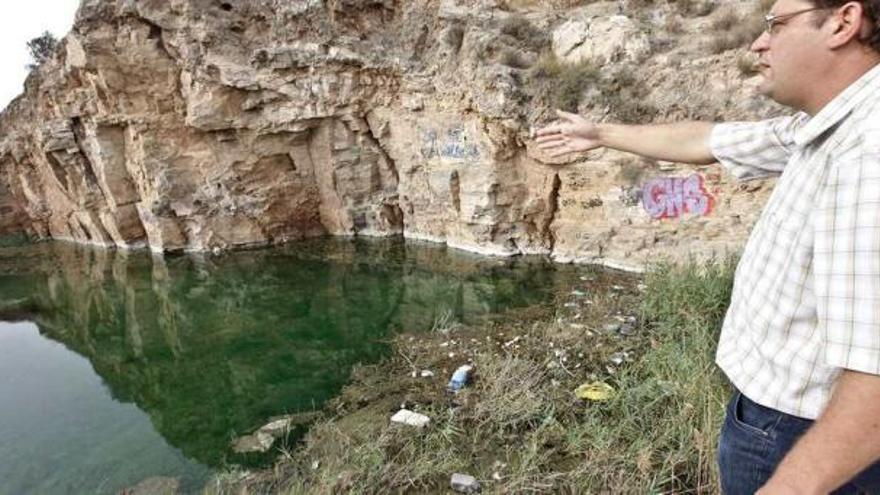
[686, 142]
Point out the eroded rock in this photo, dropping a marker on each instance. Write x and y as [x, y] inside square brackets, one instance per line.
[196, 125]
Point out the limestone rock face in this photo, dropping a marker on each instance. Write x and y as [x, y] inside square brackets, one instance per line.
[601, 40]
[205, 124]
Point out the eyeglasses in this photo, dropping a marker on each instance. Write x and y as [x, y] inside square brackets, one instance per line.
[774, 20]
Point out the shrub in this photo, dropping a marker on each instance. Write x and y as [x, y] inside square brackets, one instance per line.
[726, 21]
[548, 66]
[673, 24]
[519, 28]
[739, 38]
[573, 81]
[512, 58]
[41, 48]
[694, 8]
[746, 65]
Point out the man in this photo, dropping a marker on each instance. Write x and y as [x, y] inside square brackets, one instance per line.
[801, 340]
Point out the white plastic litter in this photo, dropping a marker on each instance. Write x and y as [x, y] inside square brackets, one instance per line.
[407, 417]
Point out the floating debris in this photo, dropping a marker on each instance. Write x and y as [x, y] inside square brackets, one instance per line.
[460, 377]
[407, 417]
[619, 358]
[464, 483]
[627, 329]
[595, 391]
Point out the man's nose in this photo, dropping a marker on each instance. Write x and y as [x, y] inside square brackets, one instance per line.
[761, 43]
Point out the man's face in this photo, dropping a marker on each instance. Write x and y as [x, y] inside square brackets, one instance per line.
[791, 56]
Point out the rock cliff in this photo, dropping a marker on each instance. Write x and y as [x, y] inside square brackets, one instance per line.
[203, 124]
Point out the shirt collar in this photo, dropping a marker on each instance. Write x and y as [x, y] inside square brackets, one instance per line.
[838, 108]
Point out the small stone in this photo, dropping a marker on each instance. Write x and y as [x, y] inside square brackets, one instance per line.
[427, 374]
[627, 329]
[619, 357]
[258, 442]
[282, 425]
[464, 483]
[578, 293]
[277, 428]
[316, 464]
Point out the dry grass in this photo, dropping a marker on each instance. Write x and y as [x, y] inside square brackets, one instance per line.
[519, 28]
[673, 24]
[511, 57]
[694, 8]
[518, 428]
[726, 20]
[746, 65]
[734, 32]
[564, 84]
[625, 95]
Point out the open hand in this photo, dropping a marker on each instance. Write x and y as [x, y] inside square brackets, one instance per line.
[571, 133]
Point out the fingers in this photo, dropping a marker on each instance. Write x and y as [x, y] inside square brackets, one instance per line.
[553, 128]
[551, 138]
[560, 152]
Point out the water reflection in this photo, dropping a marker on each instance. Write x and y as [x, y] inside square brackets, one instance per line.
[211, 346]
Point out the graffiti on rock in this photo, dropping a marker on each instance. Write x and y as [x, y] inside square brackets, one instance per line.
[454, 143]
[672, 197]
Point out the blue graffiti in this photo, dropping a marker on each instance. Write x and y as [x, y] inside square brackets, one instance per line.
[454, 144]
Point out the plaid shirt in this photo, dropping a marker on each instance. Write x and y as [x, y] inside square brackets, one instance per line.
[806, 297]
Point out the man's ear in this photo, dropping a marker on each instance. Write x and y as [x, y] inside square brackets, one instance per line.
[846, 23]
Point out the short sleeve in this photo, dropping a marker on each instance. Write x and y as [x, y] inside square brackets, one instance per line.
[847, 263]
[750, 150]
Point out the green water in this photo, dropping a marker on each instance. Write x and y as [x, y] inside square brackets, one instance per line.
[120, 366]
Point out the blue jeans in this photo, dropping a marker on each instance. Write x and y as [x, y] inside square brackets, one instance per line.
[753, 442]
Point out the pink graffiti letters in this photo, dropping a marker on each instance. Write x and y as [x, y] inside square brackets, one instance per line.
[672, 197]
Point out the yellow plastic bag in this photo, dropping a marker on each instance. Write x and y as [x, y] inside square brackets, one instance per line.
[594, 391]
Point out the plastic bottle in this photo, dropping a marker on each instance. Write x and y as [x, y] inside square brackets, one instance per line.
[460, 378]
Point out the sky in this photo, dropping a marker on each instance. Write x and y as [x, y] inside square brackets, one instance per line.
[21, 21]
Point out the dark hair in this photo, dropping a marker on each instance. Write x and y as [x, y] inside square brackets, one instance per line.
[872, 12]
